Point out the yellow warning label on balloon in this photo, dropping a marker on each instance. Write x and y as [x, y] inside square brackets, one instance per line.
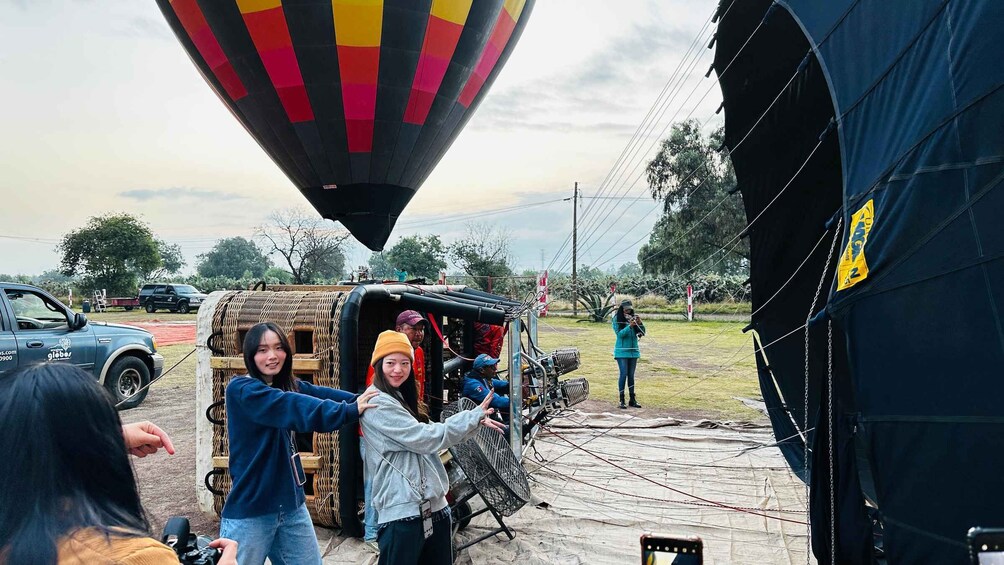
[853, 268]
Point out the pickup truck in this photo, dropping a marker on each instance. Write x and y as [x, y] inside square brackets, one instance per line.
[35, 327]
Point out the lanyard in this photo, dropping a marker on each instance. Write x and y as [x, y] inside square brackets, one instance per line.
[418, 489]
[296, 466]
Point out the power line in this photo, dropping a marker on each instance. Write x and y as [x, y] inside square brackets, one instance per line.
[725, 70]
[467, 216]
[594, 220]
[30, 239]
[659, 101]
[801, 68]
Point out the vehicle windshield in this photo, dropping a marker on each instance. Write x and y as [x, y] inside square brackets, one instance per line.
[186, 289]
[30, 305]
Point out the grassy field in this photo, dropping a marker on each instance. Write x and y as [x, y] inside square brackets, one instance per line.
[184, 374]
[120, 316]
[689, 368]
[678, 307]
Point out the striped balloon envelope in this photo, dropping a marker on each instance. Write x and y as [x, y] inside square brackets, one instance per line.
[355, 100]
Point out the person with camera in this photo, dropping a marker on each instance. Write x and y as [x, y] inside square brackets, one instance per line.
[266, 511]
[628, 327]
[402, 459]
[69, 495]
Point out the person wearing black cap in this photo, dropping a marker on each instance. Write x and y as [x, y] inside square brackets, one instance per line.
[480, 381]
[628, 328]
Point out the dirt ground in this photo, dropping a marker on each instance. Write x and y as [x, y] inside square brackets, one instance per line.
[169, 333]
[167, 482]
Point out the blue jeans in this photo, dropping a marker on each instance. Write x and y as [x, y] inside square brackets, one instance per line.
[626, 366]
[369, 513]
[286, 538]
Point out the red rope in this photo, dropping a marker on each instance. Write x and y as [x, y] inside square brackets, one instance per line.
[446, 343]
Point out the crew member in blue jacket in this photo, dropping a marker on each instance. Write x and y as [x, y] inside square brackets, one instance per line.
[480, 381]
[266, 508]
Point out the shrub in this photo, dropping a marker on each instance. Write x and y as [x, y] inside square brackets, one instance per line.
[597, 305]
[651, 302]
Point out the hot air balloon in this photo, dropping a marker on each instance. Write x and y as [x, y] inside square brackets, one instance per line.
[868, 144]
[355, 100]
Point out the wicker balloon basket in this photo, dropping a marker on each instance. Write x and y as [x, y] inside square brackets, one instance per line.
[311, 322]
[332, 331]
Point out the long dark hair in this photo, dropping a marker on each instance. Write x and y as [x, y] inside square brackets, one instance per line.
[66, 463]
[285, 380]
[621, 318]
[406, 394]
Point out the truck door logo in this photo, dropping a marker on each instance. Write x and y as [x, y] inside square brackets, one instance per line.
[61, 352]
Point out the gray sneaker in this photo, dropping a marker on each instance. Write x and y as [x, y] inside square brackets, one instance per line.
[372, 545]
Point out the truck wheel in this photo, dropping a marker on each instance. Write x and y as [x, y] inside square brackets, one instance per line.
[127, 375]
[149, 307]
[128, 308]
[183, 307]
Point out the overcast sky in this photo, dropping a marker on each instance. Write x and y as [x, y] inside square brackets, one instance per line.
[103, 112]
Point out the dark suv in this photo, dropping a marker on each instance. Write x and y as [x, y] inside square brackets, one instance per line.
[174, 297]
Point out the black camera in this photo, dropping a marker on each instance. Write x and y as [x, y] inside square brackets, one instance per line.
[631, 318]
[191, 549]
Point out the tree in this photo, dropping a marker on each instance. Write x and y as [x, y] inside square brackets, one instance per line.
[420, 256]
[313, 252]
[587, 272]
[233, 257]
[380, 266]
[110, 252]
[629, 269]
[700, 218]
[172, 260]
[276, 274]
[483, 253]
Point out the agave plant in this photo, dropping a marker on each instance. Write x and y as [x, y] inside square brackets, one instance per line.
[597, 304]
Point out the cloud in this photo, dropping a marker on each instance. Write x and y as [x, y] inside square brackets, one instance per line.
[143, 27]
[620, 63]
[175, 193]
[620, 76]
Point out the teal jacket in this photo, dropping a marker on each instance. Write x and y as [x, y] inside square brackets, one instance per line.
[627, 342]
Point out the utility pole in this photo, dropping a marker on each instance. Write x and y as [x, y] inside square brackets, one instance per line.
[575, 241]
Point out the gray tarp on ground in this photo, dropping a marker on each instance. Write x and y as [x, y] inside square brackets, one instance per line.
[572, 519]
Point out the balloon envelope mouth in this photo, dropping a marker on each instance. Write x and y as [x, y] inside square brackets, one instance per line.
[368, 210]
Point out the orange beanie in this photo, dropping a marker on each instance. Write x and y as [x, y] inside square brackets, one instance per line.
[389, 342]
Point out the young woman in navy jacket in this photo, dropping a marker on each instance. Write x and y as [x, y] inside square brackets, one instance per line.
[265, 511]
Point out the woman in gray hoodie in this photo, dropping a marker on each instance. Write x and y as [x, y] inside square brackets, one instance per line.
[402, 457]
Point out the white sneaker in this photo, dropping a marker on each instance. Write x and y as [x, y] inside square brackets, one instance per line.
[372, 545]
